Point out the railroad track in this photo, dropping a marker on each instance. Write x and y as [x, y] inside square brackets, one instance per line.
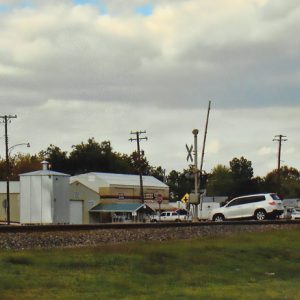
[74, 227]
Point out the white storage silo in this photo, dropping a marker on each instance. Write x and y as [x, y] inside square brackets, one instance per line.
[44, 197]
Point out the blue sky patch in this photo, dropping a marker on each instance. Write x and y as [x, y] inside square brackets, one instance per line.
[4, 8]
[22, 4]
[98, 3]
[145, 10]
[82, 2]
[26, 3]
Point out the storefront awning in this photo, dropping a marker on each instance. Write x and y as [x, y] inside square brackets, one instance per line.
[120, 207]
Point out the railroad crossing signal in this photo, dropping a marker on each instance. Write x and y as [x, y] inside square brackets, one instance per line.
[189, 150]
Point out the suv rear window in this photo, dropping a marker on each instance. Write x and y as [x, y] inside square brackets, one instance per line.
[256, 199]
[275, 197]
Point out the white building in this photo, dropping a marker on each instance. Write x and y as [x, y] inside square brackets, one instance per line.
[44, 197]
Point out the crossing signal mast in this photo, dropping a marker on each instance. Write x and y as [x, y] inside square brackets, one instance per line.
[195, 198]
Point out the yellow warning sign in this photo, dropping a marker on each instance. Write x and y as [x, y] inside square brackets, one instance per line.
[185, 198]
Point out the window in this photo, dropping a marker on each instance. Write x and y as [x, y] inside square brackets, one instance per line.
[253, 199]
[275, 197]
[234, 202]
[256, 199]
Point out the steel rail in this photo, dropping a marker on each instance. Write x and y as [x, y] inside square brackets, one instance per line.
[81, 227]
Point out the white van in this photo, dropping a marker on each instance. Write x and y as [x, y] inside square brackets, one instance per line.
[259, 207]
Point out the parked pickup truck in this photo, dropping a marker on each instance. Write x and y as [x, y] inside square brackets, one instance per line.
[171, 216]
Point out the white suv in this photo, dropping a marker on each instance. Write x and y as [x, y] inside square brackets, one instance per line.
[259, 207]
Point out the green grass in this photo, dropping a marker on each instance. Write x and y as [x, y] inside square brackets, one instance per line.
[248, 266]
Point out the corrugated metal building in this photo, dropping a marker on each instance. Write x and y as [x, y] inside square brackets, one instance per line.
[14, 189]
[90, 189]
[44, 197]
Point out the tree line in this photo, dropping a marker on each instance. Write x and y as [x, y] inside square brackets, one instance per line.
[90, 156]
[233, 180]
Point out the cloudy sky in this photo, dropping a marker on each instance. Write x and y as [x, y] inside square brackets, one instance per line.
[71, 70]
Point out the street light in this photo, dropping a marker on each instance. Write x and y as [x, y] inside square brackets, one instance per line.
[8, 151]
[21, 144]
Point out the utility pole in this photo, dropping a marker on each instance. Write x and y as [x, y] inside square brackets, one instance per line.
[6, 120]
[138, 139]
[279, 138]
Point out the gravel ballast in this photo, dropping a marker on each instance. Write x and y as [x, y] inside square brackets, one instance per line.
[84, 238]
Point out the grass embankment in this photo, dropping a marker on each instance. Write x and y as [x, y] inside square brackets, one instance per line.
[248, 266]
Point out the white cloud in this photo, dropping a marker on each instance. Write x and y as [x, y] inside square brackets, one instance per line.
[213, 147]
[290, 150]
[266, 151]
[70, 69]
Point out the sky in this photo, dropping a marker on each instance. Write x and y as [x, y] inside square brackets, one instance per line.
[72, 70]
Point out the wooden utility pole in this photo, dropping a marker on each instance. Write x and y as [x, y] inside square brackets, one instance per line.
[6, 120]
[138, 139]
[279, 138]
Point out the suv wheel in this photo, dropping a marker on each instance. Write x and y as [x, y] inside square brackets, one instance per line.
[260, 215]
[218, 218]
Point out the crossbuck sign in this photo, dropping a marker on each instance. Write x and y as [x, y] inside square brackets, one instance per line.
[189, 150]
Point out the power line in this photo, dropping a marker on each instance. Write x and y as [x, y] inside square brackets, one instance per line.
[6, 120]
[138, 139]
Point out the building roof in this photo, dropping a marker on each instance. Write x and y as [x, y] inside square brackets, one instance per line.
[94, 180]
[44, 173]
[14, 187]
[119, 207]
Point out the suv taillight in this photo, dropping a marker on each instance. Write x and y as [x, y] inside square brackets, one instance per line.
[272, 202]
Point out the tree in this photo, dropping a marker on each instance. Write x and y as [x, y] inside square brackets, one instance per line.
[139, 163]
[90, 157]
[258, 185]
[220, 182]
[242, 173]
[289, 182]
[19, 164]
[158, 172]
[241, 168]
[57, 158]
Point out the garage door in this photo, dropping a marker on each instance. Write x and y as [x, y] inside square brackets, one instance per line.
[76, 211]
